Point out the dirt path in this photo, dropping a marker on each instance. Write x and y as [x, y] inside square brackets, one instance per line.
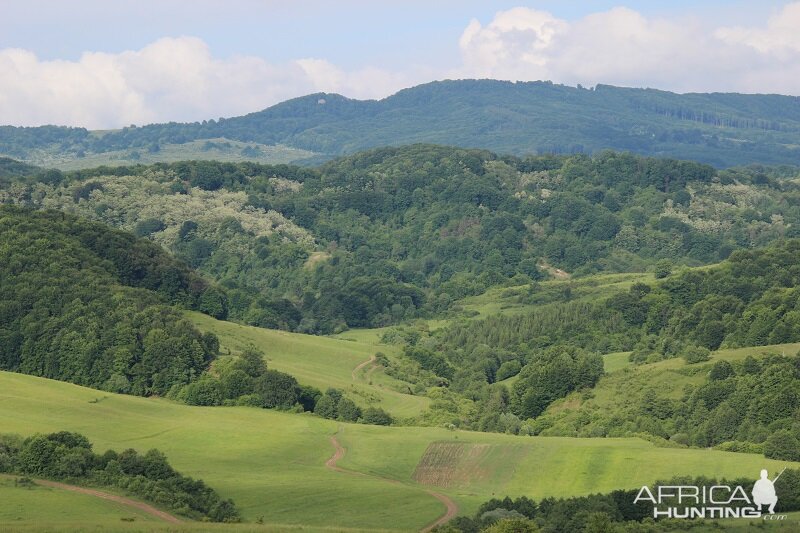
[149, 509]
[362, 365]
[451, 508]
[450, 513]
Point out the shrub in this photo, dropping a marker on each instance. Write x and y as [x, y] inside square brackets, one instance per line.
[376, 416]
[783, 445]
[696, 354]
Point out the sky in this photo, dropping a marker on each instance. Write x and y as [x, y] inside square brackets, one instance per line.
[105, 64]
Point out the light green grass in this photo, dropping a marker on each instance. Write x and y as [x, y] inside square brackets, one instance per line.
[519, 299]
[224, 150]
[555, 466]
[320, 361]
[272, 463]
[613, 362]
[56, 506]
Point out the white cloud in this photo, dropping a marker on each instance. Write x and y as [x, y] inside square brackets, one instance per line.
[180, 78]
[780, 37]
[623, 47]
[170, 79]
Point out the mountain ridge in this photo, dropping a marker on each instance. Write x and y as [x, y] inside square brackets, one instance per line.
[723, 129]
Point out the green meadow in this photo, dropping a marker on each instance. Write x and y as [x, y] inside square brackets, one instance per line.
[273, 463]
[322, 362]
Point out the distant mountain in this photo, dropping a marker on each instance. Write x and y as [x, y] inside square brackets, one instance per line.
[723, 129]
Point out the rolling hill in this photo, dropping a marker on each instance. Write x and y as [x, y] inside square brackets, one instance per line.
[515, 118]
[273, 464]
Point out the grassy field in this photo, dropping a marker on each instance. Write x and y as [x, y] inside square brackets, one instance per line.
[53, 506]
[519, 299]
[322, 362]
[273, 464]
[206, 149]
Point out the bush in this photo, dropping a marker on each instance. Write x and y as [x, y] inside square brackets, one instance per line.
[326, 407]
[347, 410]
[783, 445]
[663, 269]
[696, 354]
[205, 391]
[376, 416]
[721, 370]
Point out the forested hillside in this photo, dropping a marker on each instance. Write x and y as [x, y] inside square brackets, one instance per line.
[553, 351]
[88, 304]
[397, 233]
[518, 118]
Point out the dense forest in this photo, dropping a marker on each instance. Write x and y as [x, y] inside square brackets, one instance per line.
[392, 235]
[398, 233]
[518, 118]
[68, 456]
[89, 304]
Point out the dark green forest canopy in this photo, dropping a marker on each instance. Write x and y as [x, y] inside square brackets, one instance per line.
[397, 233]
[519, 118]
[85, 303]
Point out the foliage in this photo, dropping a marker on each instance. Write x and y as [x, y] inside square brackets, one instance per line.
[69, 456]
[81, 302]
[745, 405]
[396, 233]
[518, 118]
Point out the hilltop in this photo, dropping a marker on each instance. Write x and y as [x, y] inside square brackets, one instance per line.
[722, 129]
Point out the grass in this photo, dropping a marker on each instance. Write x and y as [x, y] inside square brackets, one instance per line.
[320, 361]
[273, 464]
[613, 362]
[519, 299]
[625, 382]
[59, 506]
[206, 149]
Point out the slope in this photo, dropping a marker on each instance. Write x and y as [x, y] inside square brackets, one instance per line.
[321, 362]
[273, 464]
[518, 118]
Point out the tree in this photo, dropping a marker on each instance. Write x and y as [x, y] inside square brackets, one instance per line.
[783, 445]
[663, 269]
[696, 354]
[276, 389]
[205, 391]
[721, 370]
[234, 383]
[376, 416]
[513, 525]
[251, 362]
[326, 407]
[347, 410]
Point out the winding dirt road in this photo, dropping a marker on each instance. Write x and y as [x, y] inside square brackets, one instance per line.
[362, 365]
[149, 509]
[451, 508]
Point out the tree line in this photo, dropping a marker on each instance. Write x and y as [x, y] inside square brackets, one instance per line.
[69, 457]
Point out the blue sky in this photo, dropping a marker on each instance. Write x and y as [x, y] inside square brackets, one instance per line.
[105, 63]
[347, 32]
